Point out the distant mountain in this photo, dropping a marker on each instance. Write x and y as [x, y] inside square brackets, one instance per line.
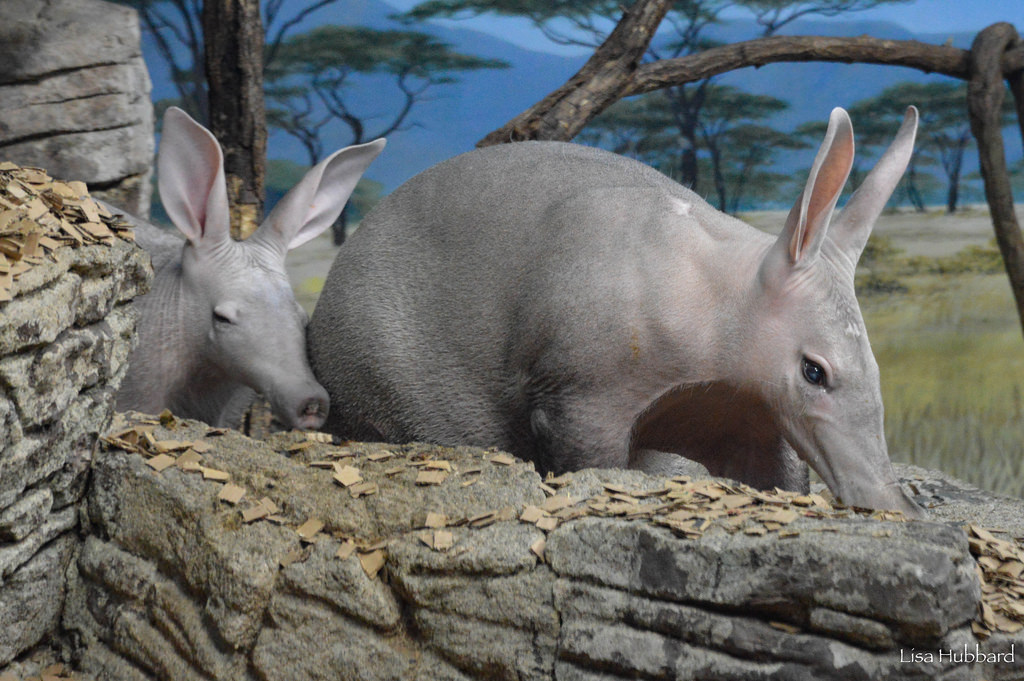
[459, 114]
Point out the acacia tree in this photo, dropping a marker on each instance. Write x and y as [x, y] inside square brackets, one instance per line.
[310, 83]
[588, 22]
[945, 133]
[736, 145]
[730, 119]
[310, 80]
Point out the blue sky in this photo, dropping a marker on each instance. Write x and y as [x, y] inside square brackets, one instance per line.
[921, 16]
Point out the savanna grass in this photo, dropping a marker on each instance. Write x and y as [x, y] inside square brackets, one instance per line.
[951, 356]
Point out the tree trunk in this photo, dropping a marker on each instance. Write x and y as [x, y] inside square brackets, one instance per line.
[985, 92]
[233, 35]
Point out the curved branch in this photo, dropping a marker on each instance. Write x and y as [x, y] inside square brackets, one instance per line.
[596, 86]
[944, 59]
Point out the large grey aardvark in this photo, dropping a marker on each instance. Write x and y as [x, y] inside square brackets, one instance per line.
[577, 308]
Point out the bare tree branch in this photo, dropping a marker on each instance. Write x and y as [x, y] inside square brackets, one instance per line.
[947, 60]
[598, 84]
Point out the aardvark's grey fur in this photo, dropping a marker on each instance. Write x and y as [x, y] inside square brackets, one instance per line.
[578, 308]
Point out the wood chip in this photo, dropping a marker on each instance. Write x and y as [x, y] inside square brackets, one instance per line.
[189, 461]
[380, 456]
[432, 477]
[316, 436]
[547, 523]
[372, 562]
[531, 514]
[347, 548]
[161, 462]
[296, 555]
[309, 529]
[254, 513]
[443, 540]
[502, 459]
[363, 489]
[214, 474]
[537, 547]
[435, 520]
[438, 465]
[549, 491]
[231, 493]
[731, 501]
[782, 516]
[552, 504]
[347, 476]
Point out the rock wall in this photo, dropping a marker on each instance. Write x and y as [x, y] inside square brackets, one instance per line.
[65, 334]
[74, 96]
[212, 556]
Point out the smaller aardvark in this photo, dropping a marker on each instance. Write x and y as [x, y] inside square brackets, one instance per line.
[578, 308]
[221, 321]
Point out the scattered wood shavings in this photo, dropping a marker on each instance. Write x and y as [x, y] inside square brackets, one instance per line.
[362, 489]
[316, 436]
[264, 508]
[296, 555]
[189, 461]
[1000, 564]
[254, 513]
[437, 465]
[346, 476]
[39, 215]
[531, 514]
[372, 562]
[308, 530]
[439, 540]
[347, 548]
[231, 493]
[502, 459]
[552, 504]
[161, 462]
[537, 548]
[431, 477]
[214, 474]
[435, 520]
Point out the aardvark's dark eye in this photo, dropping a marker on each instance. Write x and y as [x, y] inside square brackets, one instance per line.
[221, 318]
[813, 372]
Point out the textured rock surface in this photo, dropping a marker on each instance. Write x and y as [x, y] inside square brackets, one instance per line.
[64, 342]
[174, 583]
[74, 95]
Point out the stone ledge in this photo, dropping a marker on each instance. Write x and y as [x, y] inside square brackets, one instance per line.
[839, 595]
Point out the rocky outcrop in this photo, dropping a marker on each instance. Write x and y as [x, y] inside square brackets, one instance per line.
[65, 332]
[212, 556]
[74, 96]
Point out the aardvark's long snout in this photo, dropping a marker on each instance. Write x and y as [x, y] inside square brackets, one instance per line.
[304, 409]
[858, 472]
